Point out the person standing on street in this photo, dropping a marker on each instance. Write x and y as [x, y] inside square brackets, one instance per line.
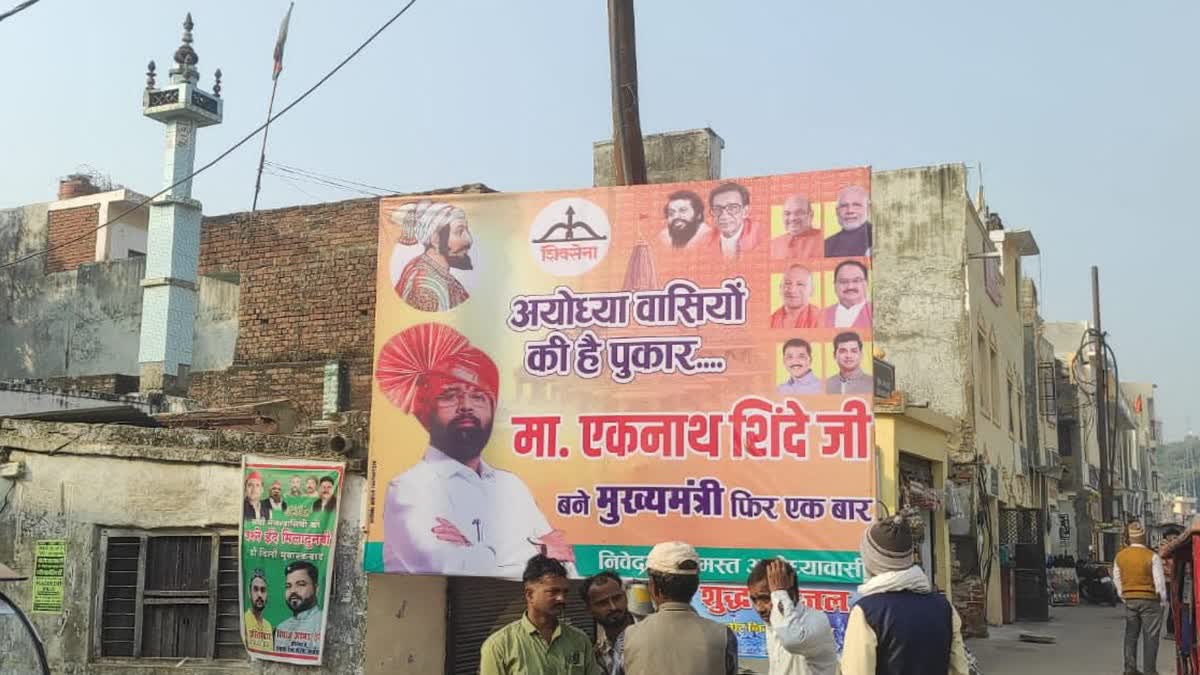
[799, 639]
[675, 640]
[900, 626]
[605, 597]
[539, 643]
[1141, 584]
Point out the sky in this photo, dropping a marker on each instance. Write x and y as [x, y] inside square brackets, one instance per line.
[1073, 112]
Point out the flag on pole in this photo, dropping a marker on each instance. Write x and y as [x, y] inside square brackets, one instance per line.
[283, 28]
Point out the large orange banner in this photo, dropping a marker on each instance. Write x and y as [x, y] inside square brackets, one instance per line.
[586, 373]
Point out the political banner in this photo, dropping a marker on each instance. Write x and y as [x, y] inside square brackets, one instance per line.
[286, 548]
[586, 373]
[49, 565]
[732, 606]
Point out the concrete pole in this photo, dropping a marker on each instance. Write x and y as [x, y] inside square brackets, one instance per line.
[629, 155]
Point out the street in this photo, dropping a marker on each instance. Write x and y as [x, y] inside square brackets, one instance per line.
[1089, 641]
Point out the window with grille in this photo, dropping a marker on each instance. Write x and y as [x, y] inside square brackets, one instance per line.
[1012, 421]
[985, 383]
[168, 595]
[1047, 393]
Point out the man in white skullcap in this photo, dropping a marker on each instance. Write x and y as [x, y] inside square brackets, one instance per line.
[441, 229]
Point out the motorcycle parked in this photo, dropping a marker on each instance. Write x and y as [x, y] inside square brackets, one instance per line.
[1095, 583]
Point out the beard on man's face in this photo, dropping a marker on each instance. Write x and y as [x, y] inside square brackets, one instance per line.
[463, 438]
[615, 619]
[299, 603]
[458, 260]
[682, 230]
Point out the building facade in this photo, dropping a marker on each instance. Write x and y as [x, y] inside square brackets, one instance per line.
[948, 300]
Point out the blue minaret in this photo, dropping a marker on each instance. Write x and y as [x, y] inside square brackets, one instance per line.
[173, 245]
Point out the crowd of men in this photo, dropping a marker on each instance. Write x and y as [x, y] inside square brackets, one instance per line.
[899, 624]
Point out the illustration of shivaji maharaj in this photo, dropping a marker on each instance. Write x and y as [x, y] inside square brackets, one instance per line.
[441, 230]
[452, 512]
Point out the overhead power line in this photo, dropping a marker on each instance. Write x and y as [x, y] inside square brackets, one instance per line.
[298, 178]
[19, 8]
[345, 181]
[224, 154]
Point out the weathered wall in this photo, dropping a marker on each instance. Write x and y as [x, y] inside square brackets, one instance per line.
[407, 627]
[216, 327]
[919, 234]
[673, 157]
[997, 439]
[111, 478]
[80, 322]
[22, 231]
[85, 321]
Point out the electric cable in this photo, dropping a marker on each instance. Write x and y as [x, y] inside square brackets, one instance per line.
[19, 8]
[347, 181]
[224, 154]
[320, 181]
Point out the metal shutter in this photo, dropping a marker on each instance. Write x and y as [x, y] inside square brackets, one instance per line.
[478, 607]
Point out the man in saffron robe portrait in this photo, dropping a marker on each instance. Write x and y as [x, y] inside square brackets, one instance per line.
[426, 282]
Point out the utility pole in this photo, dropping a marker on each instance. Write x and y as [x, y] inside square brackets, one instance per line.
[629, 155]
[1100, 368]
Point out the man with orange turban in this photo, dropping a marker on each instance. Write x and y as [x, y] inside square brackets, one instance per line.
[452, 513]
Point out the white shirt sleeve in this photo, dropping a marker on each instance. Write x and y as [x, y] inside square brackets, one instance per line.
[1116, 577]
[858, 649]
[1160, 579]
[409, 544]
[520, 523]
[800, 629]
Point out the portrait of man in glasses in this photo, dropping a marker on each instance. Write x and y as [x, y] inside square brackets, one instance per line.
[453, 513]
[735, 232]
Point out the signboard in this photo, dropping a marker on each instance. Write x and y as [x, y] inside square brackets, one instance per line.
[288, 535]
[587, 373]
[49, 562]
[731, 605]
[885, 379]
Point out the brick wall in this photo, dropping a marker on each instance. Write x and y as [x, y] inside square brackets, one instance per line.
[66, 225]
[307, 278]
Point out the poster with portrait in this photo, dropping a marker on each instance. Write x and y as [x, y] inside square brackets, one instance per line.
[286, 548]
[586, 373]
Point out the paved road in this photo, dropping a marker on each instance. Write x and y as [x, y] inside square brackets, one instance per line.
[1089, 642]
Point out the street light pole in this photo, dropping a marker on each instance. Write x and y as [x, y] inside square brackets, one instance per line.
[1100, 369]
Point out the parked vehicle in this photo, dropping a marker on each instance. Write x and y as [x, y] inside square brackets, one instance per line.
[1095, 583]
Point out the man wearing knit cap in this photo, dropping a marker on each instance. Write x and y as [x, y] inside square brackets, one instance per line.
[453, 513]
[441, 230]
[899, 626]
[675, 640]
[1138, 576]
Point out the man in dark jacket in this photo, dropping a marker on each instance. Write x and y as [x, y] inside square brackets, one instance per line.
[899, 626]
